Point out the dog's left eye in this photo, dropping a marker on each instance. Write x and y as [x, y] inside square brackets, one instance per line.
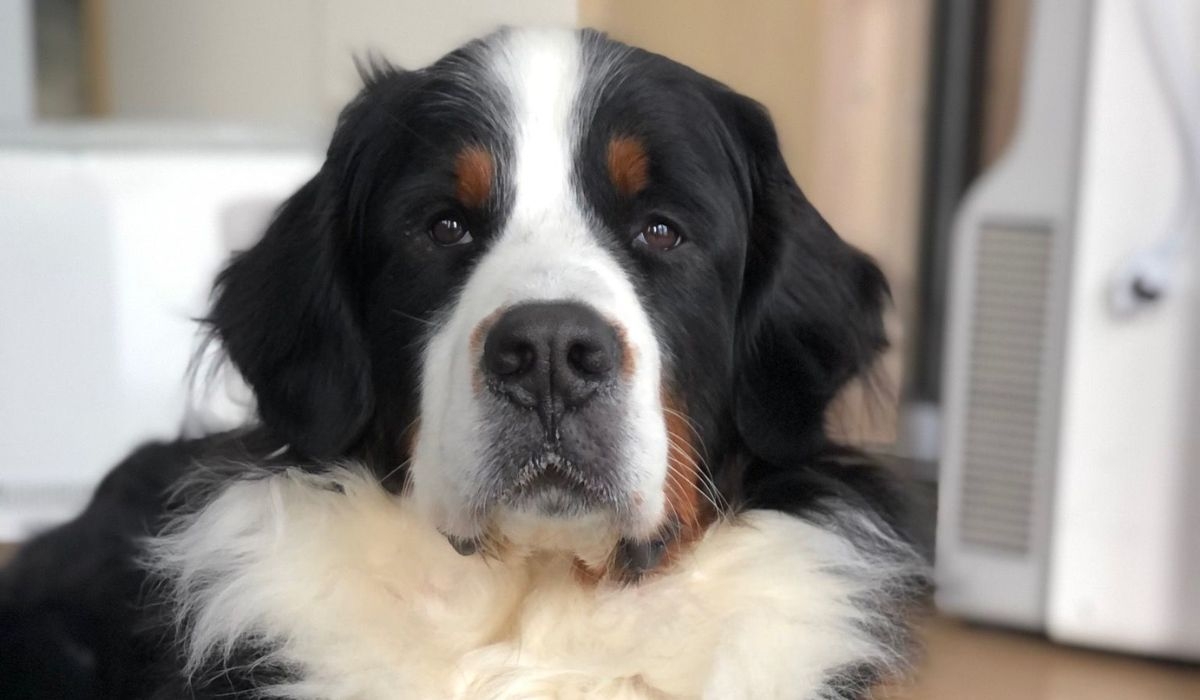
[449, 231]
[658, 237]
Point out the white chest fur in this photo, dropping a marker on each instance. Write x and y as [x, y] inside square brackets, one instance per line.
[348, 586]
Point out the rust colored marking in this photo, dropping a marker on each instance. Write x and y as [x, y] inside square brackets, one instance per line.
[628, 165]
[474, 171]
[628, 361]
[585, 575]
[690, 512]
[686, 502]
[475, 347]
[689, 509]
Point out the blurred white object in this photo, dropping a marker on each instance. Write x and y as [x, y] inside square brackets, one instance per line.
[1148, 274]
[1070, 490]
[109, 239]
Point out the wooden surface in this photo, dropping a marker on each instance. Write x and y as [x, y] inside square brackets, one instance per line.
[1008, 28]
[964, 662]
[97, 81]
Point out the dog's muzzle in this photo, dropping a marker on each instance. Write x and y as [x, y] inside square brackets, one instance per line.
[556, 401]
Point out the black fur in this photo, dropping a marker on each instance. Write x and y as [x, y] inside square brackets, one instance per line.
[763, 316]
[69, 622]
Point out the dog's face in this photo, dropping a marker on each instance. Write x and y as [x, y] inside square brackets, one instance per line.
[551, 280]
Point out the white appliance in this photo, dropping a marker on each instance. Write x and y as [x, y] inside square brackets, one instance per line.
[1070, 478]
[109, 239]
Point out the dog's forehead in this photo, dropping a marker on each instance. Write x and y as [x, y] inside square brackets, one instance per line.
[556, 89]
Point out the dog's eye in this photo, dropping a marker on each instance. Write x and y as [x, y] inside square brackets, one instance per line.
[659, 237]
[448, 231]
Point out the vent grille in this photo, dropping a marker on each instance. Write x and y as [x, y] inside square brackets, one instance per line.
[1004, 399]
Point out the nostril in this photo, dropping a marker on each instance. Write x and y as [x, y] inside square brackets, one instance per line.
[511, 359]
[589, 359]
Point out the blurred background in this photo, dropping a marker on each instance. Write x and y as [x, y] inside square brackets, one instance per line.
[1027, 172]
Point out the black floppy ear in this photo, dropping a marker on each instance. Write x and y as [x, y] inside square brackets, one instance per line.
[811, 312]
[286, 311]
[283, 314]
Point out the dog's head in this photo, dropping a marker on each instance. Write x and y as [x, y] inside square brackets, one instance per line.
[551, 280]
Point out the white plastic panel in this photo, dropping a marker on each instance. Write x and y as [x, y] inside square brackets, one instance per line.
[1125, 565]
[1030, 192]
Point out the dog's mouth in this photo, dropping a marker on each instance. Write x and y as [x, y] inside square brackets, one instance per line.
[549, 499]
[566, 495]
[552, 484]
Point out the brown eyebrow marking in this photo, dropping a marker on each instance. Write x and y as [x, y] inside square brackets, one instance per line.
[474, 170]
[628, 165]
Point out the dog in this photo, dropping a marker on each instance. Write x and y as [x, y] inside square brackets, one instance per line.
[542, 356]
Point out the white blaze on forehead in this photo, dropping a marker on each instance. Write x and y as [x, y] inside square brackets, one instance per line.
[549, 249]
[543, 71]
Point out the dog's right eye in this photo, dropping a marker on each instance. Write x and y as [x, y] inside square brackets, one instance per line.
[450, 231]
[658, 237]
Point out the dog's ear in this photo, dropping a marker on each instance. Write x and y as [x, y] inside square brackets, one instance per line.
[811, 312]
[283, 314]
[284, 310]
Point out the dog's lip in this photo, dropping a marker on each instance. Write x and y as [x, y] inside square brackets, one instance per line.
[552, 474]
[549, 472]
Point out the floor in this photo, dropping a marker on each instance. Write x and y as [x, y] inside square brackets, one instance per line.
[964, 662]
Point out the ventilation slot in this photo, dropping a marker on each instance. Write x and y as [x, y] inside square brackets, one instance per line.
[1003, 402]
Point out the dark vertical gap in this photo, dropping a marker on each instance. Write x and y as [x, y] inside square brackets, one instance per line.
[953, 135]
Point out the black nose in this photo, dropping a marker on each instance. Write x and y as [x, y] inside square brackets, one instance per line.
[551, 356]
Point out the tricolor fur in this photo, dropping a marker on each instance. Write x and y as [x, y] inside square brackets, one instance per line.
[542, 356]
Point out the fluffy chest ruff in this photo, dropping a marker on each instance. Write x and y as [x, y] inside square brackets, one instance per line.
[351, 594]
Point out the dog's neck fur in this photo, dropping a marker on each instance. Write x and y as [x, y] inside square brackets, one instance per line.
[340, 582]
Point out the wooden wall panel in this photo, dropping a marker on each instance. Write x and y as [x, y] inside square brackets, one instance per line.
[1008, 26]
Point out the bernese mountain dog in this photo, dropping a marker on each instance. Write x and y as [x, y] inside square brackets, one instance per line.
[542, 356]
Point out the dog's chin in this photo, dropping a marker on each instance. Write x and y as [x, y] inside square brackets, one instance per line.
[550, 499]
[557, 522]
[553, 501]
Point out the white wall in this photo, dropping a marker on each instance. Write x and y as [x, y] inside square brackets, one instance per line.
[283, 60]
